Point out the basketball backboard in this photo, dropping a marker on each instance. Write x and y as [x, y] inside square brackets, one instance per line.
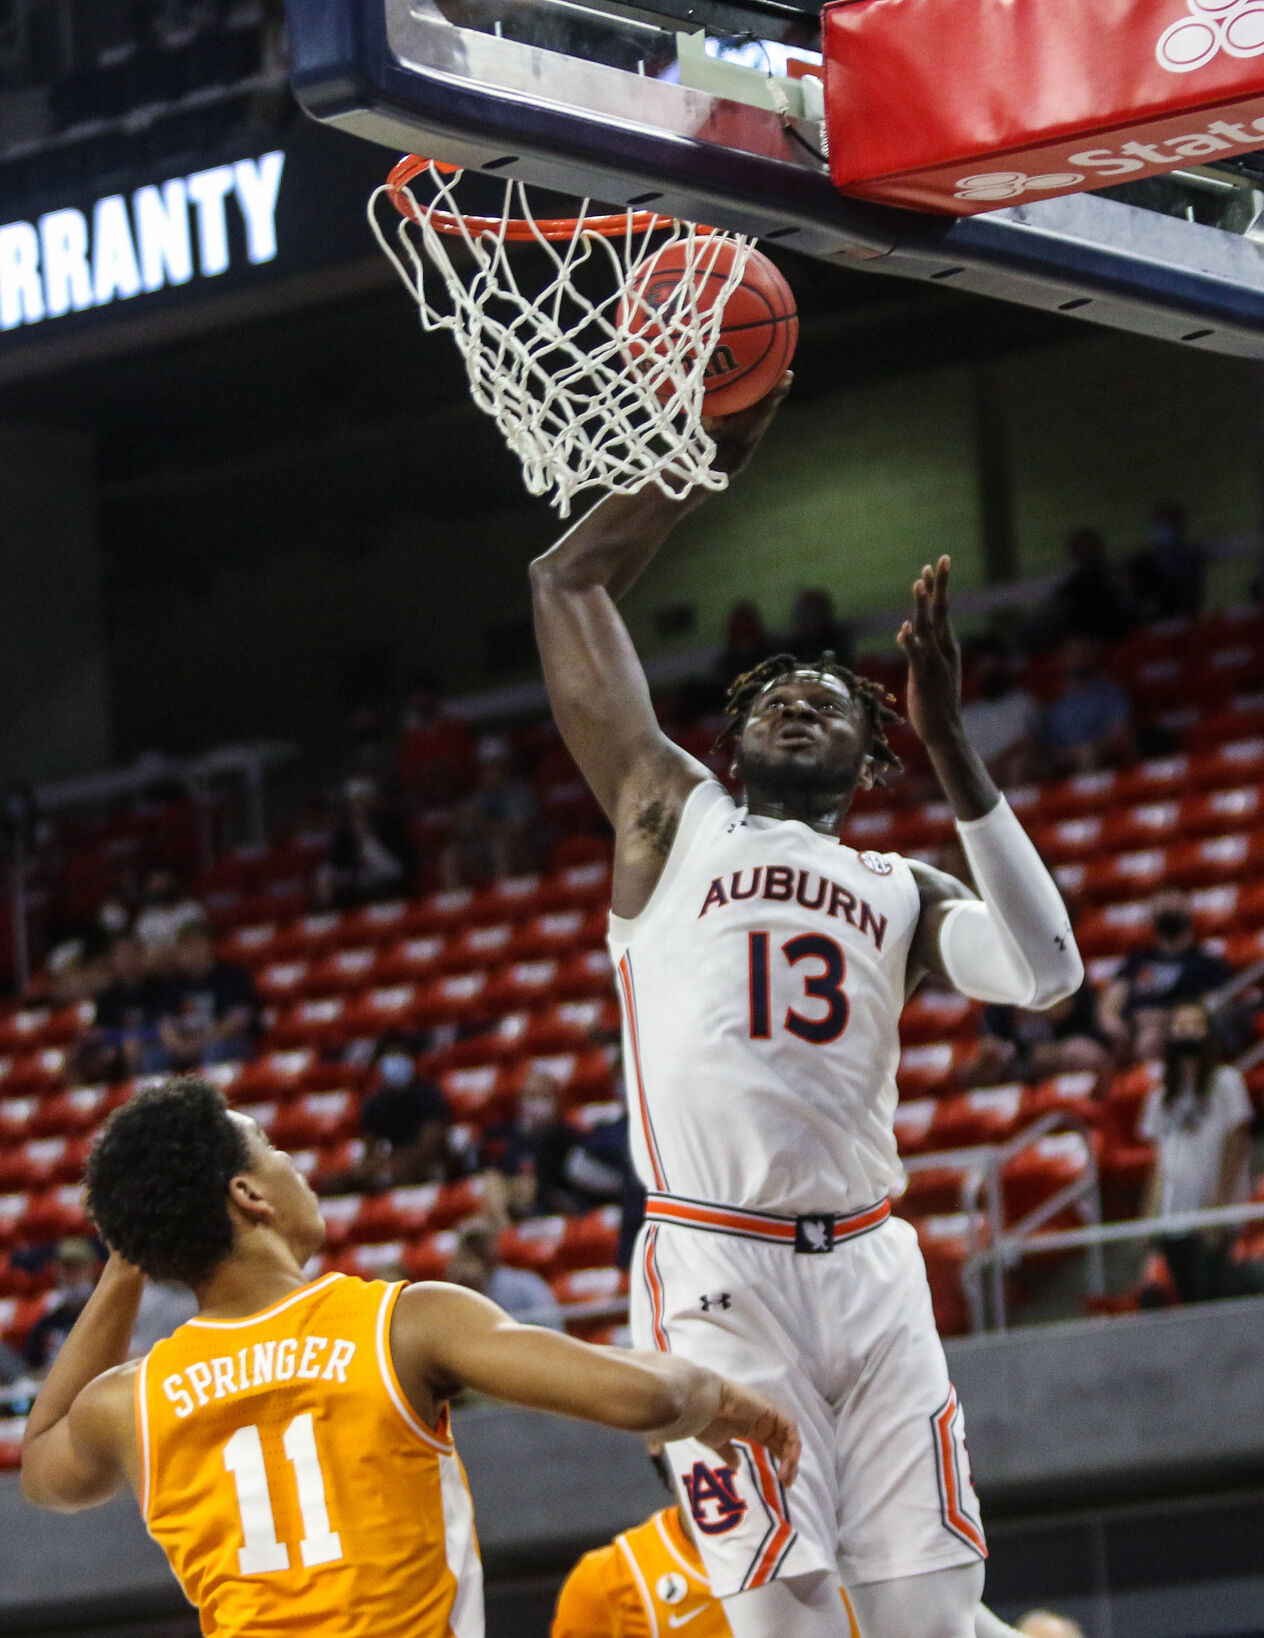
[709, 110]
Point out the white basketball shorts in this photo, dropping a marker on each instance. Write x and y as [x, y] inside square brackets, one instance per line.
[844, 1341]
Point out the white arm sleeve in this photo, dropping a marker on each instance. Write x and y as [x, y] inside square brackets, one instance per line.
[1016, 948]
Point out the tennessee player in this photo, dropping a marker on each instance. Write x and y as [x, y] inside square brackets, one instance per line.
[646, 1583]
[290, 1445]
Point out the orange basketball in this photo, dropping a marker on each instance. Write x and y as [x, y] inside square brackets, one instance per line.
[760, 328]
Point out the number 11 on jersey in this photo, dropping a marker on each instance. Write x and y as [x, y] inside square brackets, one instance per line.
[261, 1553]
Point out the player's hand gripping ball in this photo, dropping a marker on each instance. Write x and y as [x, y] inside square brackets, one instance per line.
[758, 333]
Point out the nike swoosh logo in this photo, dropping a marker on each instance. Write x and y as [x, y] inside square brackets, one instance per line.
[683, 1620]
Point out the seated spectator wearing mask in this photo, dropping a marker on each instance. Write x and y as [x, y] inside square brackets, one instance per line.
[1169, 577]
[129, 1009]
[1199, 1121]
[1090, 601]
[1015, 1045]
[531, 1150]
[1172, 969]
[404, 1120]
[213, 1012]
[476, 1264]
[1088, 725]
[1003, 721]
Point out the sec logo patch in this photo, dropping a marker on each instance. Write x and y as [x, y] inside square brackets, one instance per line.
[876, 863]
[671, 1588]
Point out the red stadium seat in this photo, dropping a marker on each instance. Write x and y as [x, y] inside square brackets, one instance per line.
[1151, 781]
[938, 1015]
[585, 1285]
[1114, 929]
[1041, 1170]
[1215, 812]
[69, 1114]
[1074, 1094]
[250, 946]
[1145, 824]
[427, 1259]
[18, 1315]
[557, 932]
[479, 947]
[930, 1068]
[1217, 859]
[409, 960]
[512, 899]
[934, 1190]
[1125, 1100]
[1063, 841]
[533, 1244]
[312, 1023]
[987, 1116]
[1124, 875]
[374, 1262]
[341, 1213]
[280, 982]
[309, 937]
[13, 1209]
[16, 1115]
[56, 1212]
[457, 1201]
[315, 1118]
[587, 885]
[946, 1241]
[454, 999]
[398, 1214]
[523, 983]
[590, 1240]
[275, 1075]
[913, 1118]
[344, 971]
[585, 975]
[1236, 762]
[377, 924]
[1083, 794]
[480, 1093]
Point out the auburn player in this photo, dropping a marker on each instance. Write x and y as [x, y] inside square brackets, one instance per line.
[762, 967]
[647, 1583]
[290, 1445]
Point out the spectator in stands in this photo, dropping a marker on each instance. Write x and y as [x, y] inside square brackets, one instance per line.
[213, 1014]
[436, 752]
[746, 640]
[164, 910]
[404, 1120]
[1088, 725]
[163, 1309]
[493, 832]
[1015, 1045]
[814, 627]
[1172, 969]
[1003, 721]
[1200, 1120]
[371, 856]
[130, 1009]
[75, 1267]
[1169, 577]
[523, 1294]
[1091, 601]
[531, 1150]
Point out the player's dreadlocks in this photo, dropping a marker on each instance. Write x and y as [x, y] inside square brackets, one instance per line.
[878, 703]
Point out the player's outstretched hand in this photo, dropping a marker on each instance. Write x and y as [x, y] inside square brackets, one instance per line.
[737, 436]
[743, 1414]
[934, 659]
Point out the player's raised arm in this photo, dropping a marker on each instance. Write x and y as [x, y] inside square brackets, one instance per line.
[79, 1437]
[1016, 947]
[596, 684]
[444, 1338]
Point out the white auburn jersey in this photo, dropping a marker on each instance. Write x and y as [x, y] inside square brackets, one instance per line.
[761, 990]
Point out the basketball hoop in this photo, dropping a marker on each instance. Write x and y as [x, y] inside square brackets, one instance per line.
[592, 385]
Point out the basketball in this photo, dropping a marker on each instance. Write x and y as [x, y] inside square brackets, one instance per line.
[761, 324]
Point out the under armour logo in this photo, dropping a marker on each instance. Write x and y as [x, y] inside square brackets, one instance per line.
[993, 186]
[1235, 27]
[718, 1299]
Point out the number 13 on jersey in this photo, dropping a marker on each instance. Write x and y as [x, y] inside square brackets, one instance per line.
[825, 986]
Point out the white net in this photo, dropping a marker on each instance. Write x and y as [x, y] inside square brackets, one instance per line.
[592, 367]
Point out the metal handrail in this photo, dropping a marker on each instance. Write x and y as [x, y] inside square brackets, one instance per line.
[983, 1166]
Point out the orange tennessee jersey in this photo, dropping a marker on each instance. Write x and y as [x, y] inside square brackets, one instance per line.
[648, 1583]
[291, 1485]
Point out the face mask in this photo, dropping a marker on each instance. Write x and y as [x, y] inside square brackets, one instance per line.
[396, 1069]
[1171, 923]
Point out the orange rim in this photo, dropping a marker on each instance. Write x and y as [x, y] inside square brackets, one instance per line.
[512, 228]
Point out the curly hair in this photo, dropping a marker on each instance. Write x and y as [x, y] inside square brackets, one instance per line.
[158, 1176]
[878, 703]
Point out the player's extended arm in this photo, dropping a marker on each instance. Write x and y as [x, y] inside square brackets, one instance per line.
[75, 1449]
[1016, 947]
[596, 685]
[444, 1338]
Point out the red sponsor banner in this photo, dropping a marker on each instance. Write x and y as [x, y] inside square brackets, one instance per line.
[961, 106]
